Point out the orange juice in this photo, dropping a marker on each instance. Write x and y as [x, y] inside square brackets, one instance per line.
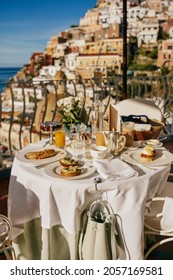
[60, 138]
[100, 139]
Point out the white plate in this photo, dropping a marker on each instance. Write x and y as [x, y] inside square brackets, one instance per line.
[162, 157]
[21, 156]
[89, 157]
[53, 170]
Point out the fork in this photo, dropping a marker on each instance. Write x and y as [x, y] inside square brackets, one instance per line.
[44, 164]
[46, 143]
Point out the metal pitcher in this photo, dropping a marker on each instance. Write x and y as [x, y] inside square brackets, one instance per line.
[115, 142]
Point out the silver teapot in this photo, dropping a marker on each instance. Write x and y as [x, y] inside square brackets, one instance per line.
[115, 141]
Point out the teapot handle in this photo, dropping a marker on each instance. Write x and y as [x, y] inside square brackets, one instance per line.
[122, 141]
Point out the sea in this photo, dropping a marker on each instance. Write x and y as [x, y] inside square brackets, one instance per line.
[5, 74]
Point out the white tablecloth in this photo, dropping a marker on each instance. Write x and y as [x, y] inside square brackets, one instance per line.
[33, 194]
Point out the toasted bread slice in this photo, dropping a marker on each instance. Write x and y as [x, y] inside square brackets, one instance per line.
[67, 161]
[70, 171]
[41, 154]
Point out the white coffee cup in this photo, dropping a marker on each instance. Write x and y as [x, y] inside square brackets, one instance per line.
[98, 152]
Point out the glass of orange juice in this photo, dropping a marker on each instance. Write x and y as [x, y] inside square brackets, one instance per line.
[60, 138]
[100, 139]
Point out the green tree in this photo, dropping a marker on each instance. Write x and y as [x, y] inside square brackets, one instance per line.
[164, 70]
[162, 35]
[73, 25]
[132, 49]
[154, 53]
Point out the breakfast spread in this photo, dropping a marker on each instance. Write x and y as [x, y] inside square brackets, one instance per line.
[70, 171]
[68, 161]
[148, 154]
[40, 154]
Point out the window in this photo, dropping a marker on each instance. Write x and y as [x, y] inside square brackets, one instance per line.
[169, 47]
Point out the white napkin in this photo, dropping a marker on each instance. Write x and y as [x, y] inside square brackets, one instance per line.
[167, 219]
[115, 169]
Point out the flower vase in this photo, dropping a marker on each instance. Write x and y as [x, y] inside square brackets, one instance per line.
[67, 130]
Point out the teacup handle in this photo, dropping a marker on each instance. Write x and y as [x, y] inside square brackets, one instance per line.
[122, 141]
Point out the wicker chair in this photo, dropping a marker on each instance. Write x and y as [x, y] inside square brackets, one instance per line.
[137, 107]
[154, 225]
[5, 238]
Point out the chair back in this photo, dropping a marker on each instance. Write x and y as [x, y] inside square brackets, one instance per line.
[159, 218]
[5, 230]
[5, 238]
[139, 106]
[135, 106]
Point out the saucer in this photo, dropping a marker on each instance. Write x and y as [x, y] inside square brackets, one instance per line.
[107, 157]
[155, 143]
[136, 145]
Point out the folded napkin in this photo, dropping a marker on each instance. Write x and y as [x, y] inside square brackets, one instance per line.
[167, 219]
[115, 169]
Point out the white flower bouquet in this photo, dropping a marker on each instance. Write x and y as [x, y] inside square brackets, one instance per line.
[71, 110]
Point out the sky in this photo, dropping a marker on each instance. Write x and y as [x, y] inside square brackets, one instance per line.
[27, 26]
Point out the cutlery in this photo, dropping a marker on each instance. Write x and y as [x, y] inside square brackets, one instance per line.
[163, 138]
[46, 143]
[44, 164]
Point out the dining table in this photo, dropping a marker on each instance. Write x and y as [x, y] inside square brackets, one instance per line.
[45, 208]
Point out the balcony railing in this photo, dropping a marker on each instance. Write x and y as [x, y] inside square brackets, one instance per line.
[25, 105]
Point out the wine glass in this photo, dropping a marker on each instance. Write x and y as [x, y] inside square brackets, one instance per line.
[44, 127]
[50, 126]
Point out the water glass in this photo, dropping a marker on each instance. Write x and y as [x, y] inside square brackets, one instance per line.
[73, 132]
[82, 128]
[88, 139]
[79, 146]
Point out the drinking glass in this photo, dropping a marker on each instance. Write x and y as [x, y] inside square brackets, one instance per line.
[100, 139]
[60, 138]
[45, 127]
[79, 146]
[97, 115]
[88, 139]
[73, 132]
[128, 132]
[49, 126]
[82, 129]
